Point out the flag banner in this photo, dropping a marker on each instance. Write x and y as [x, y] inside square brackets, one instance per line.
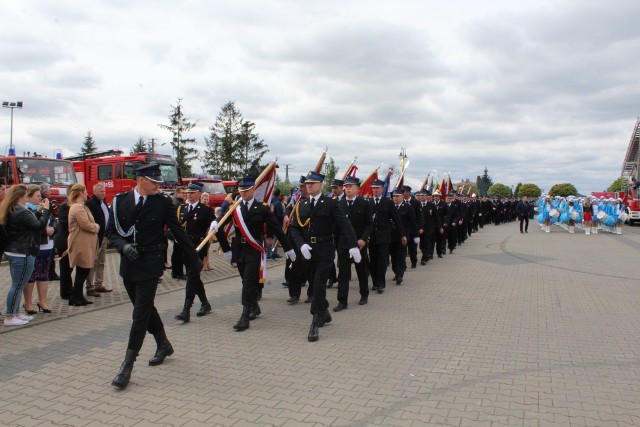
[365, 186]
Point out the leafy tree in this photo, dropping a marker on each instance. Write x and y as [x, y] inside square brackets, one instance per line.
[483, 183]
[499, 190]
[183, 148]
[563, 190]
[221, 155]
[89, 145]
[251, 149]
[330, 173]
[619, 184]
[140, 147]
[529, 190]
[515, 192]
[284, 186]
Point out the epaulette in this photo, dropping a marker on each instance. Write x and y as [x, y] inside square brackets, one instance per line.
[264, 204]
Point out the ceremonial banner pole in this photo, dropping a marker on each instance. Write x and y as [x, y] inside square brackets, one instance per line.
[233, 206]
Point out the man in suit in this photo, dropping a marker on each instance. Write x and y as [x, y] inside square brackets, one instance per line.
[136, 230]
[397, 248]
[384, 216]
[247, 246]
[195, 218]
[415, 205]
[442, 212]
[60, 243]
[452, 220]
[295, 272]
[312, 232]
[430, 229]
[358, 212]
[522, 210]
[100, 212]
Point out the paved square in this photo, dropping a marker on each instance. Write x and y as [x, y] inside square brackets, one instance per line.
[510, 330]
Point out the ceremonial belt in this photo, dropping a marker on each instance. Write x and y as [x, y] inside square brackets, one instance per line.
[245, 241]
[151, 248]
[320, 239]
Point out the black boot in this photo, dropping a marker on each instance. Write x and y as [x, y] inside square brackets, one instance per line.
[185, 315]
[314, 335]
[124, 374]
[163, 351]
[243, 323]
[204, 309]
[255, 311]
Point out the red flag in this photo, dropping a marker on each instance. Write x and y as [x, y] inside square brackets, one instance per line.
[365, 186]
[449, 184]
[443, 188]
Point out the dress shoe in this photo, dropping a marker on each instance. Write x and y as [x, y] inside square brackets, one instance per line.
[399, 281]
[380, 290]
[179, 276]
[308, 300]
[54, 277]
[42, 309]
[293, 300]
[341, 306]
[450, 251]
[374, 288]
[314, 335]
[363, 301]
[28, 311]
[439, 255]
[285, 284]
[165, 349]
[327, 317]
[76, 302]
[102, 289]
[185, 314]
[394, 278]
[204, 309]
[93, 293]
[64, 296]
[413, 265]
[329, 283]
[423, 262]
[86, 301]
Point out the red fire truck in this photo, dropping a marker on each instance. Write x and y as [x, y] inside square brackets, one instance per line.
[115, 170]
[631, 171]
[35, 169]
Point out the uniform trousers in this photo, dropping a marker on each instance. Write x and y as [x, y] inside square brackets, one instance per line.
[398, 253]
[344, 274]
[320, 272]
[295, 275]
[441, 242]
[250, 273]
[427, 244]
[145, 316]
[413, 251]
[66, 282]
[177, 261]
[524, 219]
[452, 237]
[378, 261]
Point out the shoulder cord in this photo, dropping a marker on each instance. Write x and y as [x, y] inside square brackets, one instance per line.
[121, 232]
[297, 209]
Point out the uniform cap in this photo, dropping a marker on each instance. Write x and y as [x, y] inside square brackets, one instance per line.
[337, 183]
[398, 192]
[377, 183]
[151, 171]
[247, 182]
[192, 188]
[352, 180]
[314, 177]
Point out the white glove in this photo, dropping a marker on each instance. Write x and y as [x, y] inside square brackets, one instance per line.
[416, 240]
[213, 226]
[291, 255]
[355, 254]
[227, 256]
[306, 251]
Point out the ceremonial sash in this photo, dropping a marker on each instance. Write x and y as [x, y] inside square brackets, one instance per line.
[244, 230]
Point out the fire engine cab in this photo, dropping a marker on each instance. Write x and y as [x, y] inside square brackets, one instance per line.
[35, 169]
[631, 171]
[116, 170]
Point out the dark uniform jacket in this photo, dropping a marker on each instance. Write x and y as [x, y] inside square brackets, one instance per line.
[416, 205]
[196, 223]
[317, 232]
[384, 217]
[95, 206]
[60, 238]
[157, 211]
[442, 211]
[359, 215]
[408, 220]
[254, 218]
[453, 215]
[429, 216]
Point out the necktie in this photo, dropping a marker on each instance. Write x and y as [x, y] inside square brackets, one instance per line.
[349, 202]
[190, 208]
[377, 201]
[140, 203]
[313, 203]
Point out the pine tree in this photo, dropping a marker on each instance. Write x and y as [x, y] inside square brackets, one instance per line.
[483, 183]
[250, 148]
[89, 145]
[140, 147]
[222, 156]
[183, 148]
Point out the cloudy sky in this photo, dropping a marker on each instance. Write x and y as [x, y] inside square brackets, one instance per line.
[542, 91]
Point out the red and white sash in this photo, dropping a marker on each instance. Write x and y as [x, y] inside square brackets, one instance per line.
[244, 230]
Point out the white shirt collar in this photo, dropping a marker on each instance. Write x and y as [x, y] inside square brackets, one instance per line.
[136, 196]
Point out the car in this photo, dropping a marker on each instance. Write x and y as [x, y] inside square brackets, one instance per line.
[213, 186]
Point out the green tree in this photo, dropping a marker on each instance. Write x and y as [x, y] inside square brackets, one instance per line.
[563, 190]
[250, 148]
[499, 190]
[483, 183]
[529, 190]
[221, 157]
[284, 186]
[184, 149]
[140, 147]
[619, 184]
[330, 173]
[89, 145]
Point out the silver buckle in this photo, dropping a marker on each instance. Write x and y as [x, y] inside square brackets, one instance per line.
[313, 240]
[243, 240]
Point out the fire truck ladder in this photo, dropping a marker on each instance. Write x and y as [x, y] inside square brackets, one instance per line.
[630, 164]
[96, 155]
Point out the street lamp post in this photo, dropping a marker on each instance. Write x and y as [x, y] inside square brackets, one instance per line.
[12, 105]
